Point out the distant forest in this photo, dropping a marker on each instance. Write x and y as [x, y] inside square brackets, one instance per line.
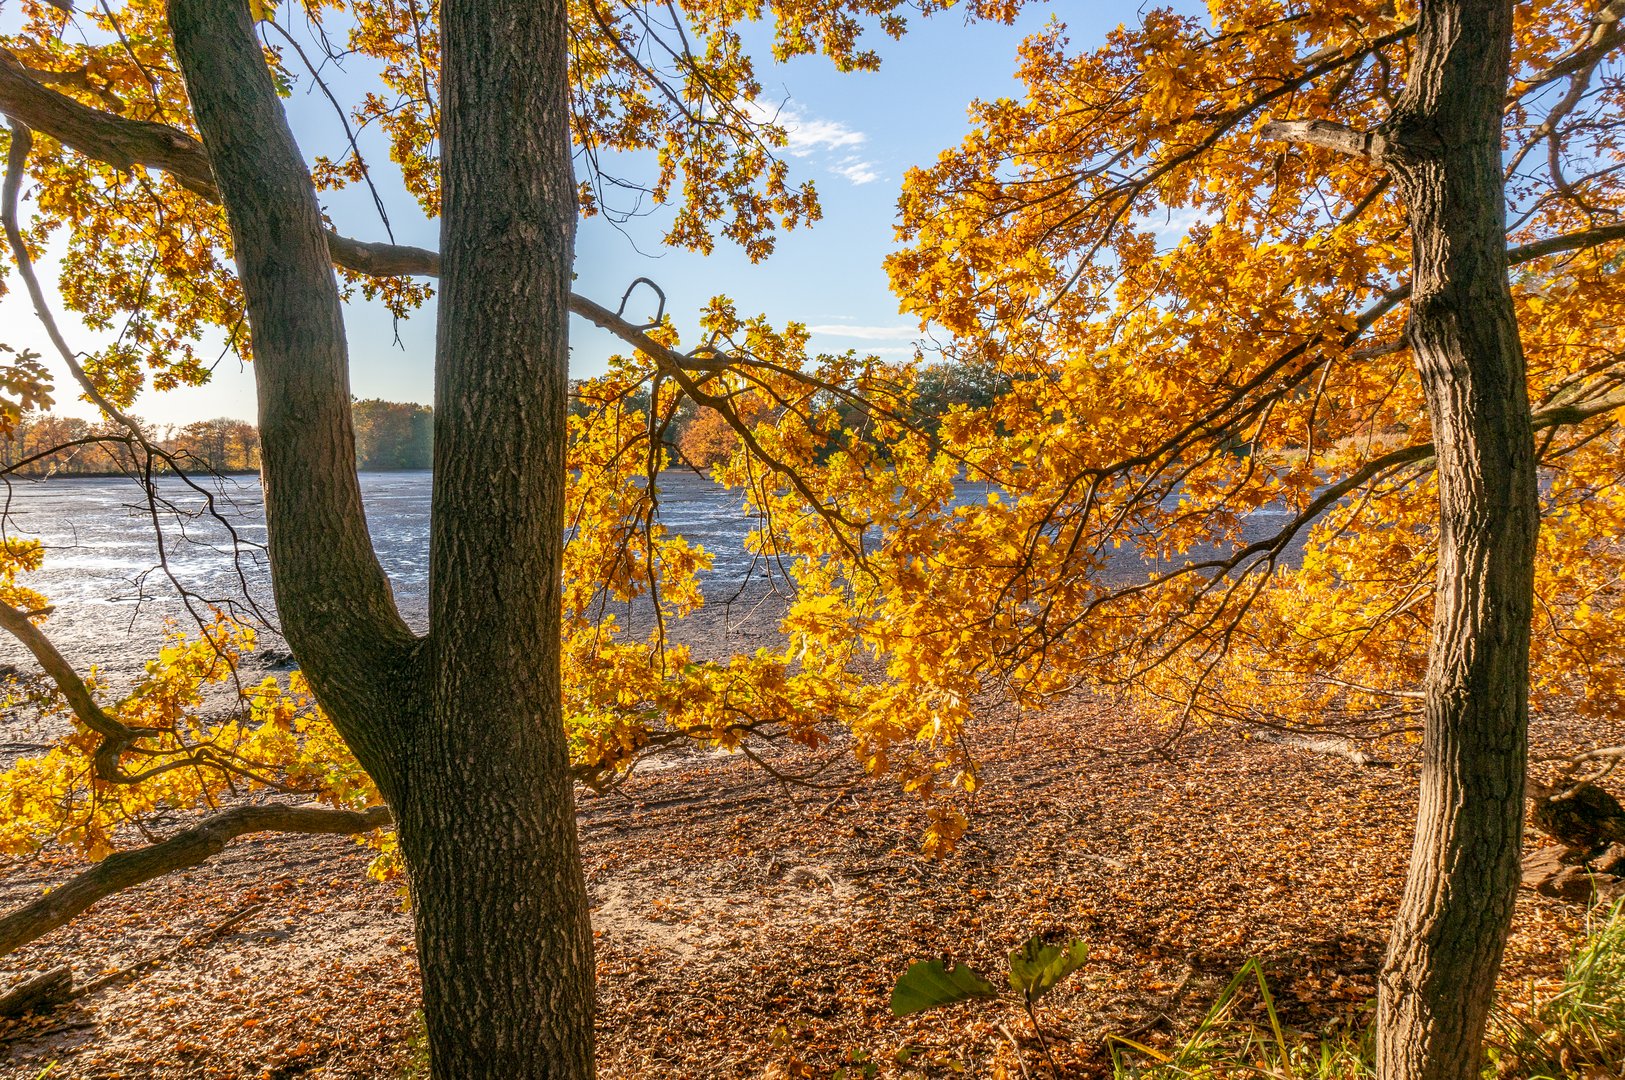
[388, 435]
[395, 435]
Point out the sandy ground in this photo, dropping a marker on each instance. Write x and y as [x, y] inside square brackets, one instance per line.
[746, 929]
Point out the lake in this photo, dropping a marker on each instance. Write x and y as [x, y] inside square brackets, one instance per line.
[102, 565]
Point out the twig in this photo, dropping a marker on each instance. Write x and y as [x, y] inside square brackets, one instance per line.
[142, 966]
[1014, 1045]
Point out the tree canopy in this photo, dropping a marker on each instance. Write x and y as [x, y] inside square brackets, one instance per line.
[1176, 272]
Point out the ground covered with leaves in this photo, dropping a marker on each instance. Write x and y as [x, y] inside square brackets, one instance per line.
[751, 929]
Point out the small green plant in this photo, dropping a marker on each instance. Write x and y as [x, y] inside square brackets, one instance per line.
[1580, 1029]
[860, 1065]
[1229, 1044]
[1034, 970]
[417, 1050]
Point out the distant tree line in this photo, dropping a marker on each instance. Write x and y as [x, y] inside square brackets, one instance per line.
[702, 437]
[393, 435]
[389, 435]
[397, 435]
[46, 444]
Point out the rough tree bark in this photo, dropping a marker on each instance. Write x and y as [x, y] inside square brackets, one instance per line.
[461, 730]
[488, 820]
[1443, 148]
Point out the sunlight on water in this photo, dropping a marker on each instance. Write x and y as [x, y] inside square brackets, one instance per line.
[103, 568]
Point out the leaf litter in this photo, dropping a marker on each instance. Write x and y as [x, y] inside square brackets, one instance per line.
[749, 929]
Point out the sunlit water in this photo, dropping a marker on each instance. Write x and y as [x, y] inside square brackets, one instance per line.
[112, 588]
[111, 582]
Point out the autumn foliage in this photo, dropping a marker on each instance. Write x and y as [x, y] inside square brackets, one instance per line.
[1270, 311]
[1197, 475]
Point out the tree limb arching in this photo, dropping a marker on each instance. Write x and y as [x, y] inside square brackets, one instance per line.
[1547, 417]
[336, 604]
[188, 848]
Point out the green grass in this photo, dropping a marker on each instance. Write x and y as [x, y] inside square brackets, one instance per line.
[1580, 1029]
[1576, 1031]
[1229, 1044]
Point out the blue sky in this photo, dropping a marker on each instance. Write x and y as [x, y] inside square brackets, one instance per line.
[854, 135]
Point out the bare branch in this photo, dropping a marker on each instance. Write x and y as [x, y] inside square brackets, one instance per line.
[191, 847]
[1328, 136]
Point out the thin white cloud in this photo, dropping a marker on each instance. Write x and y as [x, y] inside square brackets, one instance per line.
[856, 170]
[867, 333]
[810, 135]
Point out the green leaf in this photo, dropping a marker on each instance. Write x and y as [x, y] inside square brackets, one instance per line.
[928, 984]
[1036, 968]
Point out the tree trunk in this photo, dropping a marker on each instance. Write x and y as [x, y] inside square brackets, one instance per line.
[1444, 151]
[463, 730]
[338, 612]
[489, 820]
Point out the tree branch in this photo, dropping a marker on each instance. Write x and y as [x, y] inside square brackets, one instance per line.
[1553, 414]
[1567, 415]
[1328, 136]
[101, 136]
[382, 260]
[191, 847]
[681, 368]
[124, 143]
[117, 141]
[337, 608]
[1574, 241]
[116, 736]
[1607, 33]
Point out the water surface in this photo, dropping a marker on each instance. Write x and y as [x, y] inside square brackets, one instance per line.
[110, 579]
[115, 587]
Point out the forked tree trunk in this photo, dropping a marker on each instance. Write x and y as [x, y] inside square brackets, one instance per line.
[461, 730]
[1444, 151]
